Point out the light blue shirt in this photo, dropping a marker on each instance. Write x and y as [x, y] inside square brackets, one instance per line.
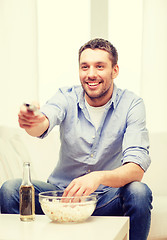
[122, 136]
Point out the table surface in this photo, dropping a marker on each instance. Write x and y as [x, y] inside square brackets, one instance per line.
[98, 228]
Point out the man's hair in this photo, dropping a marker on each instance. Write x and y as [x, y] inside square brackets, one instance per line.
[99, 43]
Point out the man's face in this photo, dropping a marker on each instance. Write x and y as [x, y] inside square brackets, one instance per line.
[96, 76]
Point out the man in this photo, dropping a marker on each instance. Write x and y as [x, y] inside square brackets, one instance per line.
[104, 142]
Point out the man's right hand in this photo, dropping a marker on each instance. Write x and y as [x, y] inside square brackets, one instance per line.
[35, 125]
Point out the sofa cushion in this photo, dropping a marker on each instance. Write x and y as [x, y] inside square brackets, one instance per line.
[13, 153]
[156, 175]
[44, 153]
[16, 147]
[159, 218]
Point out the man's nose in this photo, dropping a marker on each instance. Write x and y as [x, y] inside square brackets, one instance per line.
[92, 73]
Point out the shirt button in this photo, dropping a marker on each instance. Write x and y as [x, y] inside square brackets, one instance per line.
[91, 155]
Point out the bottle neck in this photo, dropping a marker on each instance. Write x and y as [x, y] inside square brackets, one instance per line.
[26, 174]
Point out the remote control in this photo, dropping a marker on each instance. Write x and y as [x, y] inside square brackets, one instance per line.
[32, 108]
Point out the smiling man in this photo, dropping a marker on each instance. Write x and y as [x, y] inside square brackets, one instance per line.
[104, 142]
[96, 76]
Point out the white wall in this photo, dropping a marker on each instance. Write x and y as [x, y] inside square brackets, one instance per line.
[154, 64]
[125, 32]
[39, 42]
[18, 59]
[63, 26]
[139, 31]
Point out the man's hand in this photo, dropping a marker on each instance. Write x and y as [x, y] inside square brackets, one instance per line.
[28, 119]
[35, 125]
[83, 186]
[116, 178]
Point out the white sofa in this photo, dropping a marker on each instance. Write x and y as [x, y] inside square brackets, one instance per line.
[17, 146]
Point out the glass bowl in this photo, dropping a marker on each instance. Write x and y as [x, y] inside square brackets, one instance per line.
[67, 209]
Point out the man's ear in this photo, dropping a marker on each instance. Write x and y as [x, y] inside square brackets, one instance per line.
[115, 71]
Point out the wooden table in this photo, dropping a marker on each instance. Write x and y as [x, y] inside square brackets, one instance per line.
[95, 228]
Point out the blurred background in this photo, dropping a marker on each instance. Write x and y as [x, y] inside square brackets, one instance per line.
[39, 42]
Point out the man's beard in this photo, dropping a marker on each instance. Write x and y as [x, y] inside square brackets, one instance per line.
[98, 96]
[101, 94]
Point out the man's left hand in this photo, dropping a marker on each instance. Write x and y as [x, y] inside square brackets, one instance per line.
[83, 186]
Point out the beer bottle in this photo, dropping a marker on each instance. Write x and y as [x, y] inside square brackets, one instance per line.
[27, 196]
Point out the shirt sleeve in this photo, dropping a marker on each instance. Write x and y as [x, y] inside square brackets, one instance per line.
[136, 139]
[55, 111]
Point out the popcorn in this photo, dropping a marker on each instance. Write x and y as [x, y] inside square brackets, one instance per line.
[67, 212]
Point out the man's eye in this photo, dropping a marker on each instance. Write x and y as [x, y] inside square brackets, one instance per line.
[84, 67]
[100, 66]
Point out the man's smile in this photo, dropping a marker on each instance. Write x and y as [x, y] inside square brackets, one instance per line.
[93, 85]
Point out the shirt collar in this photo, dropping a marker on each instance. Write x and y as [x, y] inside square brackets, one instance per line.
[113, 100]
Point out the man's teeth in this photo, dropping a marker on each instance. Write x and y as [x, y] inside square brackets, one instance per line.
[93, 84]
